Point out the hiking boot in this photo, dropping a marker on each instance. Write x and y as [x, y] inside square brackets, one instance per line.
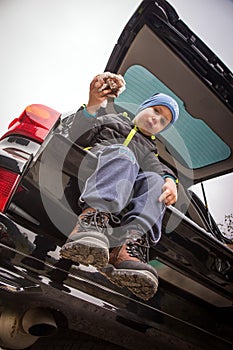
[87, 244]
[130, 268]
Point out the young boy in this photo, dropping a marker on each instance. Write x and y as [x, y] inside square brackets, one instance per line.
[130, 188]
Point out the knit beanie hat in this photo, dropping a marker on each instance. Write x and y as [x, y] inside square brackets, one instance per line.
[162, 100]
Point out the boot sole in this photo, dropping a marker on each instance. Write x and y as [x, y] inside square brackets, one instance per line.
[86, 251]
[141, 283]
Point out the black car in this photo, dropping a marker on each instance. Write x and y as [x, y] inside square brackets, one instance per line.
[47, 302]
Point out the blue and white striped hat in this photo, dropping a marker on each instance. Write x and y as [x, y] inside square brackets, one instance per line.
[161, 99]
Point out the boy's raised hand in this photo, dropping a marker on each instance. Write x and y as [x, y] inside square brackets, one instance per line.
[96, 97]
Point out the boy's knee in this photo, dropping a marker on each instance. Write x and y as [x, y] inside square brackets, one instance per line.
[124, 151]
[155, 178]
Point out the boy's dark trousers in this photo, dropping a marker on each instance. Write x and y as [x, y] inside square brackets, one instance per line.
[119, 183]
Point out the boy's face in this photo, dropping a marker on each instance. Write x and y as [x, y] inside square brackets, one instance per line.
[153, 119]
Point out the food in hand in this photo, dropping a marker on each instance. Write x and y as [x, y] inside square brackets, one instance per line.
[114, 82]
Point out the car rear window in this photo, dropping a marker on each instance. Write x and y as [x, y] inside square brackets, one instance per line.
[191, 141]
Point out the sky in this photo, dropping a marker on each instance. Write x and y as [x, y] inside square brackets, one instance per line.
[51, 50]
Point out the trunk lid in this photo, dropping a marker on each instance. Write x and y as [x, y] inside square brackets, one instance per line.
[157, 52]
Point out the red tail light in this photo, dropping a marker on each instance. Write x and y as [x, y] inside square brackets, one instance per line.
[8, 180]
[34, 123]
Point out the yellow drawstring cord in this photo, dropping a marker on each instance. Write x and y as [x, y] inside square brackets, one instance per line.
[130, 135]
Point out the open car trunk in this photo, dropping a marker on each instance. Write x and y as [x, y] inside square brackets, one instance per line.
[158, 53]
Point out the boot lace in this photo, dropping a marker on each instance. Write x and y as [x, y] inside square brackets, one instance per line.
[138, 246]
[98, 219]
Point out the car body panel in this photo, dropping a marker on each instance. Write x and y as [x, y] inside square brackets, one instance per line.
[87, 301]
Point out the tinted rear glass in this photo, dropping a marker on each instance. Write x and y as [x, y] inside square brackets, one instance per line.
[190, 141]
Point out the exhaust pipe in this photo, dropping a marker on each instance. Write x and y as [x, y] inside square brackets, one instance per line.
[39, 322]
[19, 331]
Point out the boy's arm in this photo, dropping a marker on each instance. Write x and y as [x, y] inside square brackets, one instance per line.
[96, 97]
[169, 188]
[81, 128]
[169, 194]
[84, 121]
[168, 173]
